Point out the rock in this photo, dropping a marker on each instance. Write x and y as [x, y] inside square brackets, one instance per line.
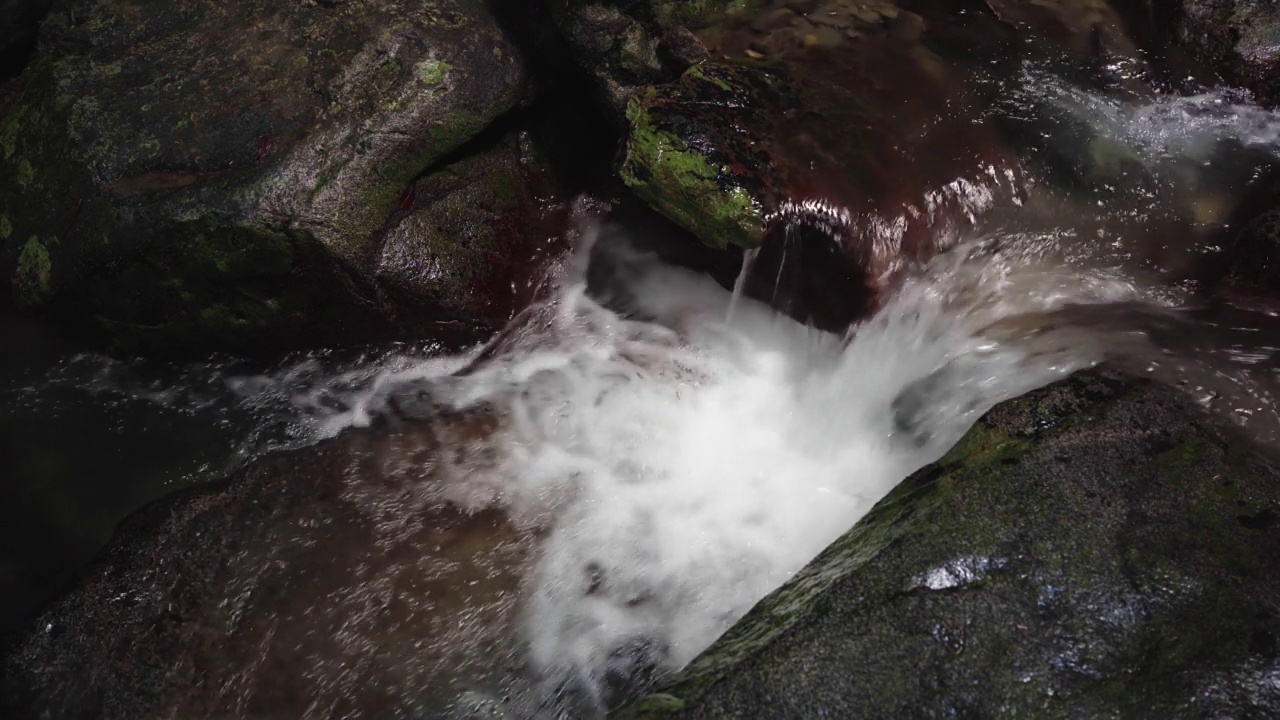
[21, 22]
[473, 238]
[214, 169]
[1240, 39]
[1083, 28]
[334, 581]
[1099, 548]
[691, 153]
[774, 19]
[628, 46]
[860, 142]
[1251, 237]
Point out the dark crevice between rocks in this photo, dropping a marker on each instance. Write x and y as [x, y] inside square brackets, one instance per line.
[19, 34]
[573, 131]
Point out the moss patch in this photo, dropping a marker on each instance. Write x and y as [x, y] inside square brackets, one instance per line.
[433, 72]
[679, 182]
[31, 280]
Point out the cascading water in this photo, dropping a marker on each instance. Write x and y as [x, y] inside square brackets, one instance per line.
[682, 450]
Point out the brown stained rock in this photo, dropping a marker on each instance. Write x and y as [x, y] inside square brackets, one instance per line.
[474, 237]
[333, 581]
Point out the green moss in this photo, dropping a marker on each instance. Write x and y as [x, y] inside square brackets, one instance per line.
[9, 132]
[25, 173]
[983, 445]
[697, 72]
[651, 707]
[433, 72]
[680, 183]
[6, 227]
[32, 279]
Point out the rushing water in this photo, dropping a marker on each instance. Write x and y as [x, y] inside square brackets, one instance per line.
[683, 449]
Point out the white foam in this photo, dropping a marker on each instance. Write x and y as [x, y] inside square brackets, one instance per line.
[690, 466]
[1165, 128]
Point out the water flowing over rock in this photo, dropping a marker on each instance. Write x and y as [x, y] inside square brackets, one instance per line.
[211, 169]
[1098, 548]
[863, 136]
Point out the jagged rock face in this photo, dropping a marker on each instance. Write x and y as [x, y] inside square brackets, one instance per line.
[1099, 548]
[204, 169]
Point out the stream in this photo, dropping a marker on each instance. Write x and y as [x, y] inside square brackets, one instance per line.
[674, 449]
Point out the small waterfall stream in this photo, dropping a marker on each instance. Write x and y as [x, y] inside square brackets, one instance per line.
[680, 450]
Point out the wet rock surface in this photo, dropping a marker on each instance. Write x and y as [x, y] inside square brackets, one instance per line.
[199, 168]
[333, 581]
[737, 142]
[473, 238]
[1098, 548]
[1238, 38]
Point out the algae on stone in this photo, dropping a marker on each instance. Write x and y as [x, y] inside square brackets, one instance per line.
[683, 182]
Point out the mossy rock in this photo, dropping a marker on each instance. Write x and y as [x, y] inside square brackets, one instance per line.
[1099, 548]
[146, 130]
[690, 162]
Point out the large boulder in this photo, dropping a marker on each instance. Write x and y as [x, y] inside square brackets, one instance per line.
[1099, 548]
[335, 581]
[212, 170]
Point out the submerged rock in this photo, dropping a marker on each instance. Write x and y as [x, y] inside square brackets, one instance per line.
[1099, 548]
[222, 170]
[335, 581]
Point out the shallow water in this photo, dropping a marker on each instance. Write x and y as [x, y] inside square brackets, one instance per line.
[682, 448]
